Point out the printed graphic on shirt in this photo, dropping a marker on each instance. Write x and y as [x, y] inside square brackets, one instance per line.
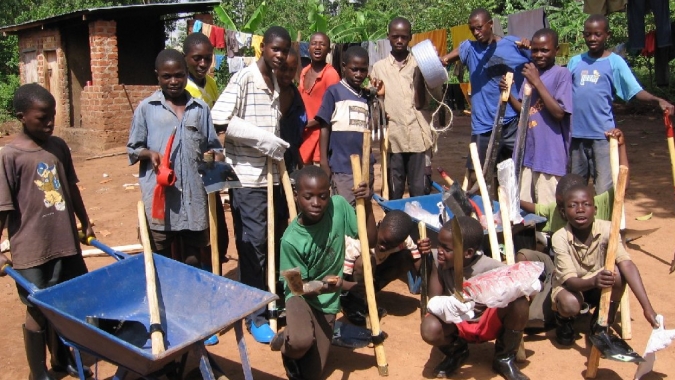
[49, 183]
[586, 77]
[358, 116]
[535, 109]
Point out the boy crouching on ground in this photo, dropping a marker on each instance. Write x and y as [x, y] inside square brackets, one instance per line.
[506, 324]
[314, 243]
[580, 249]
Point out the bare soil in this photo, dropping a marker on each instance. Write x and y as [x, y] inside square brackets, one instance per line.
[651, 191]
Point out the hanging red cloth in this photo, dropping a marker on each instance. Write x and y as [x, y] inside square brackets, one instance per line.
[650, 45]
[165, 177]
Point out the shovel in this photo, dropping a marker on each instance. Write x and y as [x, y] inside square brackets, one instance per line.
[605, 344]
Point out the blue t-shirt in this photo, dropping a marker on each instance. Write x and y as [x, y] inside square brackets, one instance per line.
[595, 82]
[347, 113]
[487, 64]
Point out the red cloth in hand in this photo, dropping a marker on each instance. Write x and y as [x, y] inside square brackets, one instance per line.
[165, 177]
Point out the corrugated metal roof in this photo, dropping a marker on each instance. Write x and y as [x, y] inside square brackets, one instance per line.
[116, 11]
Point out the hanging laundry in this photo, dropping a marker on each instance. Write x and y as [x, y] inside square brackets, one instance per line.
[304, 49]
[256, 40]
[438, 37]
[604, 7]
[231, 42]
[460, 33]
[235, 64]
[637, 9]
[244, 40]
[383, 48]
[497, 27]
[219, 60]
[197, 26]
[650, 45]
[372, 54]
[525, 24]
[218, 37]
[206, 29]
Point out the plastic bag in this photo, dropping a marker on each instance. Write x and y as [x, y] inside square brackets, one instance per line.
[660, 339]
[501, 286]
[450, 310]
[506, 174]
[415, 210]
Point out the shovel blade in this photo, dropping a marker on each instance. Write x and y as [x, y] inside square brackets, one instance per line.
[218, 176]
[614, 348]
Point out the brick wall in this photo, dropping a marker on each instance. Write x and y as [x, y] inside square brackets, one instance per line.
[35, 47]
[107, 106]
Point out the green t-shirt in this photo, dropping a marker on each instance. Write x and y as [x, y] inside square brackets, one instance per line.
[554, 221]
[319, 250]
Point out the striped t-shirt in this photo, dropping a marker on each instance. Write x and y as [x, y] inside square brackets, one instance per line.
[248, 97]
[346, 111]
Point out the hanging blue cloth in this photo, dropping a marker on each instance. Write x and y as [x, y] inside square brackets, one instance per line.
[197, 26]
[219, 60]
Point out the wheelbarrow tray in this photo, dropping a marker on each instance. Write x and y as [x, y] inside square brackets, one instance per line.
[194, 304]
[430, 203]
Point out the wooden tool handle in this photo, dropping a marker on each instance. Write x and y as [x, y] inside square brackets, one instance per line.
[271, 262]
[288, 189]
[365, 160]
[213, 234]
[504, 207]
[384, 157]
[445, 176]
[614, 241]
[507, 91]
[487, 205]
[156, 337]
[382, 365]
[458, 255]
[424, 296]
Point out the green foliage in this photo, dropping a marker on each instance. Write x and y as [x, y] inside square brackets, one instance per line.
[8, 85]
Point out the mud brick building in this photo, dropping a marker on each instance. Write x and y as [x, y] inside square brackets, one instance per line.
[99, 64]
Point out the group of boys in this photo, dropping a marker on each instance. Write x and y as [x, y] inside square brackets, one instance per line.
[323, 122]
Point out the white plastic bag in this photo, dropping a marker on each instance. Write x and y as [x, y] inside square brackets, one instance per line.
[415, 210]
[499, 287]
[450, 309]
[660, 339]
[506, 174]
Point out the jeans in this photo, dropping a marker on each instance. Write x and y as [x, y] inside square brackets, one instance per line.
[590, 157]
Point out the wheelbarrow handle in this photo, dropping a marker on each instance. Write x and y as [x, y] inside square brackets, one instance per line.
[117, 255]
[29, 286]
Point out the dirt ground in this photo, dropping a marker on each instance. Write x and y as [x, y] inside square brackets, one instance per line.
[651, 191]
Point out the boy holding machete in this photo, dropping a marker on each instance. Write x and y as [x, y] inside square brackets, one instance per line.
[488, 59]
[547, 138]
[485, 324]
[314, 244]
[580, 250]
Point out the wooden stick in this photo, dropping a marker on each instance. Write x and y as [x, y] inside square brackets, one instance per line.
[670, 134]
[384, 157]
[424, 270]
[271, 258]
[624, 307]
[157, 336]
[610, 258]
[506, 226]
[105, 155]
[465, 182]
[365, 159]
[509, 250]
[288, 189]
[487, 205]
[382, 366]
[458, 262]
[213, 234]
[522, 131]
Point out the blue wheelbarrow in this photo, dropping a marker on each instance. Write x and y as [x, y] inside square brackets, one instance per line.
[105, 313]
[430, 203]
